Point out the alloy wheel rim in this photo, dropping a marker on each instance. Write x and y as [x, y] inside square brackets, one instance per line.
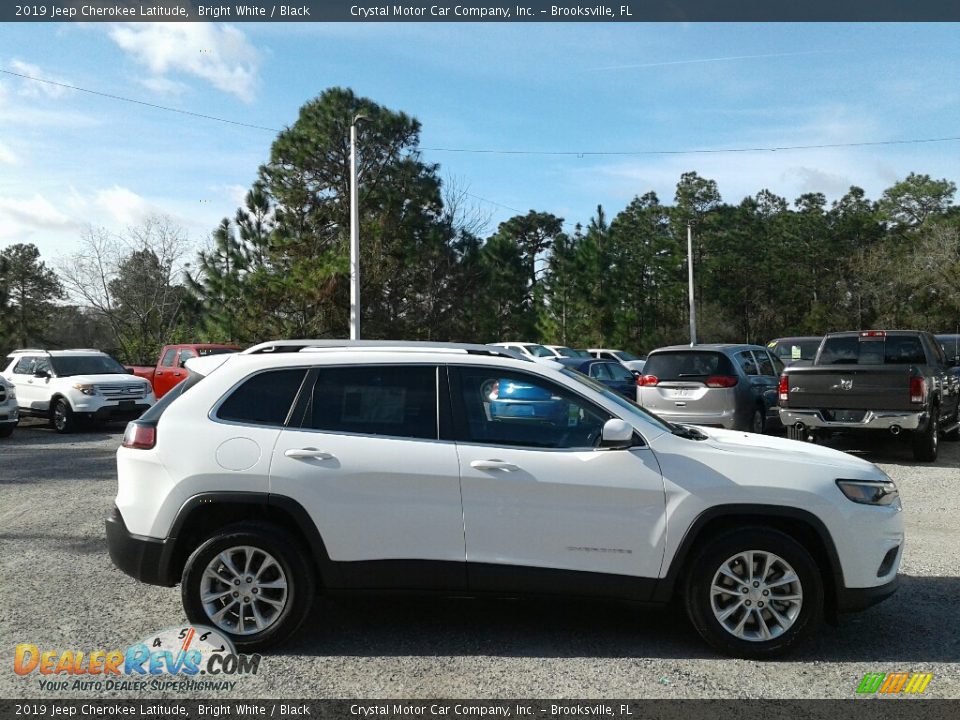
[756, 596]
[243, 590]
[59, 416]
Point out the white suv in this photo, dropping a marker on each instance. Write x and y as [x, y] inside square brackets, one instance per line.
[299, 467]
[70, 387]
[9, 412]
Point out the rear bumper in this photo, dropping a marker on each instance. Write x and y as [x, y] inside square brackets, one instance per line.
[872, 420]
[146, 559]
[726, 419]
[854, 599]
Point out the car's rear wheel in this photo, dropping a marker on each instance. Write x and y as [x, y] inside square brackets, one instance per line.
[251, 582]
[6, 430]
[62, 417]
[754, 593]
[926, 442]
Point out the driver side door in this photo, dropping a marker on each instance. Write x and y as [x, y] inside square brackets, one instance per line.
[545, 509]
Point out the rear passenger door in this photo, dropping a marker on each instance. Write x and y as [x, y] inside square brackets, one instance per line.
[363, 458]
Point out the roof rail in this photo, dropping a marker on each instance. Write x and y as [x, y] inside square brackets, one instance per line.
[27, 350]
[286, 346]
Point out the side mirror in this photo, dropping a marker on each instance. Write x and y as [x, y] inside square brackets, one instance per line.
[616, 434]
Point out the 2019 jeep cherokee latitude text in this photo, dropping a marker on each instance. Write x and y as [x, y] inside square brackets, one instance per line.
[300, 467]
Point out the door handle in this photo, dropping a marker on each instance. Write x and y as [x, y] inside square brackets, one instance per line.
[301, 453]
[493, 465]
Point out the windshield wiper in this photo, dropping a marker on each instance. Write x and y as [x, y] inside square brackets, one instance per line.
[689, 433]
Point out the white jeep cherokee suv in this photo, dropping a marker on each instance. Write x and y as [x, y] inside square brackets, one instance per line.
[299, 467]
[70, 387]
[9, 412]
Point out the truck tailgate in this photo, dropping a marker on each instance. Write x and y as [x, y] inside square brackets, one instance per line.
[846, 387]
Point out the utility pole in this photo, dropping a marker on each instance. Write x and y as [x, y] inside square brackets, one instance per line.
[354, 235]
[693, 308]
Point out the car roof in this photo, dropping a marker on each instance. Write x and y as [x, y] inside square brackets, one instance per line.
[709, 347]
[55, 353]
[793, 338]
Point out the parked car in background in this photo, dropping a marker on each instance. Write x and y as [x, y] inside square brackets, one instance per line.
[795, 350]
[71, 387]
[886, 381]
[951, 350]
[530, 350]
[606, 372]
[370, 468]
[628, 360]
[730, 386]
[562, 351]
[9, 412]
[170, 367]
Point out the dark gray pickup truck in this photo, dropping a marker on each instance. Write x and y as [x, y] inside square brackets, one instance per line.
[876, 380]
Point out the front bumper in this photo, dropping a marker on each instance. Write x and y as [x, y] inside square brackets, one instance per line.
[10, 416]
[872, 420]
[854, 599]
[109, 413]
[146, 559]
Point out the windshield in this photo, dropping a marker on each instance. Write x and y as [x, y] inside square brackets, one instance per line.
[624, 356]
[796, 349]
[631, 407]
[565, 351]
[65, 366]
[539, 351]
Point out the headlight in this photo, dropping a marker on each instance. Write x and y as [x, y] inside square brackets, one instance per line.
[870, 492]
[85, 389]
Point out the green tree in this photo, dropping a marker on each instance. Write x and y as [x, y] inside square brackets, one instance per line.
[31, 289]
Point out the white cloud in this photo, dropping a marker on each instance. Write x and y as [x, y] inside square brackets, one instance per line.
[7, 156]
[124, 206]
[163, 85]
[219, 54]
[32, 88]
[21, 217]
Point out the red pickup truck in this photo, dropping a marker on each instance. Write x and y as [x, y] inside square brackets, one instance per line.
[169, 370]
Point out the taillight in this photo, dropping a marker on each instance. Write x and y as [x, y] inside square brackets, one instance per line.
[918, 390]
[721, 381]
[140, 437]
[784, 389]
[645, 380]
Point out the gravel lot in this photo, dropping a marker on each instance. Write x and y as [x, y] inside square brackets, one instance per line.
[60, 591]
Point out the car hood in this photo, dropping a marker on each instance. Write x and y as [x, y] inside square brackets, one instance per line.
[771, 447]
[110, 379]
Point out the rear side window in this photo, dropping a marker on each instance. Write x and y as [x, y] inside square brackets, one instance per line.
[372, 400]
[747, 363]
[263, 399]
[766, 364]
[25, 366]
[167, 360]
[687, 365]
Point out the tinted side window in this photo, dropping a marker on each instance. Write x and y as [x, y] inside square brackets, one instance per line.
[393, 401]
[263, 399]
[766, 364]
[747, 363]
[496, 407]
[25, 366]
[168, 356]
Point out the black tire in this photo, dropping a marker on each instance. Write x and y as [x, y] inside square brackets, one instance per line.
[926, 442]
[758, 421]
[62, 417]
[297, 572]
[6, 430]
[954, 434]
[699, 597]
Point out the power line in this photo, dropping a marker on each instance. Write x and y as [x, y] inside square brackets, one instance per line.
[488, 151]
[136, 102]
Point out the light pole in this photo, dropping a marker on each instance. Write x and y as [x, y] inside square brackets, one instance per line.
[693, 308]
[354, 234]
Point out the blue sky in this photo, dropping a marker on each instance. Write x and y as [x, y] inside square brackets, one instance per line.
[69, 160]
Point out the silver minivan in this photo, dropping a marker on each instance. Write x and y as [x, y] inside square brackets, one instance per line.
[730, 386]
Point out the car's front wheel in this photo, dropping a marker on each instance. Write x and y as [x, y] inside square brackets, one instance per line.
[754, 593]
[62, 417]
[252, 582]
